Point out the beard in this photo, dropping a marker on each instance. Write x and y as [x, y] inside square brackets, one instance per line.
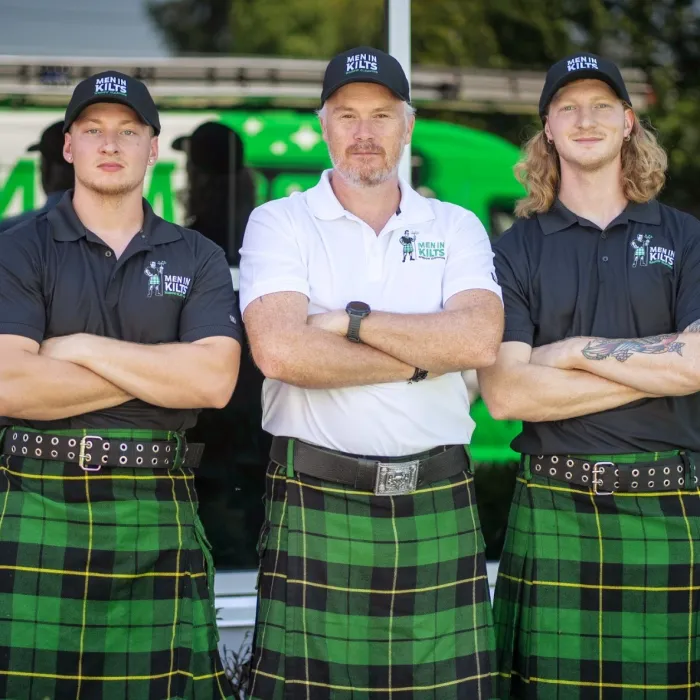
[109, 189]
[365, 173]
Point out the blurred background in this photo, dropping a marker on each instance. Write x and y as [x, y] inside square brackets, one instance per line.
[237, 82]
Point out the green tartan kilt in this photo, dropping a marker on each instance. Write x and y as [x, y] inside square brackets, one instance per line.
[364, 596]
[105, 585]
[598, 596]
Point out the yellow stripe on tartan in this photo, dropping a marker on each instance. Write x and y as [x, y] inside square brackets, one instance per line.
[600, 597]
[303, 583]
[617, 494]
[690, 597]
[474, 598]
[393, 582]
[106, 679]
[88, 502]
[401, 689]
[357, 492]
[274, 574]
[176, 600]
[440, 586]
[591, 684]
[97, 477]
[593, 586]
[99, 574]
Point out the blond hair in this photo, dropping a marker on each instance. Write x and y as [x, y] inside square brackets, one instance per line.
[644, 164]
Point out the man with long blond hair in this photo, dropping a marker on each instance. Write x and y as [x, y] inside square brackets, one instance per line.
[598, 593]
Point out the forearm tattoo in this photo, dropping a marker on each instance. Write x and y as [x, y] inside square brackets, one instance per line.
[694, 327]
[622, 349]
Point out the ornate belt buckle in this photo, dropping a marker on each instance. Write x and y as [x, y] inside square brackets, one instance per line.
[599, 468]
[396, 478]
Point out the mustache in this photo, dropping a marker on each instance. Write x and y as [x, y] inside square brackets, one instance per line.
[366, 148]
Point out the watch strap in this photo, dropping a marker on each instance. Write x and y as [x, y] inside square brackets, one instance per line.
[354, 328]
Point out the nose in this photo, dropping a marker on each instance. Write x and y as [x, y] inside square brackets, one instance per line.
[109, 143]
[586, 117]
[363, 130]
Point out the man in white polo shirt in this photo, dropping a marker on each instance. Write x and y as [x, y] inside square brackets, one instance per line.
[363, 302]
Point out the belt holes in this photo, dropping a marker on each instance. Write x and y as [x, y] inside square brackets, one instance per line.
[167, 448]
[154, 461]
[13, 448]
[635, 472]
[14, 436]
[651, 484]
[634, 484]
[552, 471]
[538, 467]
[25, 437]
[123, 447]
[71, 455]
[569, 462]
[123, 459]
[106, 446]
[54, 453]
[156, 448]
[586, 466]
[680, 468]
[105, 459]
[681, 481]
[139, 460]
[584, 478]
[617, 484]
[54, 441]
[72, 443]
[39, 439]
[88, 444]
[652, 472]
[667, 470]
[24, 450]
[37, 452]
[139, 447]
[568, 475]
[554, 459]
[667, 482]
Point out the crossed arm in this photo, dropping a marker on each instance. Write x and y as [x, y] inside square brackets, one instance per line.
[579, 376]
[80, 373]
[313, 352]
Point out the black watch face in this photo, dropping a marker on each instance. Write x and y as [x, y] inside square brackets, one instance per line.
[358, 308]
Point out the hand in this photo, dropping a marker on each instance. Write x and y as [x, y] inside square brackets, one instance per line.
[563, 354]
[67, 348]
[332, 321]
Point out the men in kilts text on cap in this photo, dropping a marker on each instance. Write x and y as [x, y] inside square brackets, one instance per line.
[372, 573]
[597, 594]
[116, 327]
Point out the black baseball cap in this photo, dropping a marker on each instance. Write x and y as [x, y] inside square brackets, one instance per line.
[50, 144]
[213, 147]
[579, 67]
[365, 65]
[112, 86]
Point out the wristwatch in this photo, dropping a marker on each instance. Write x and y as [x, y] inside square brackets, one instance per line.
[357, 310]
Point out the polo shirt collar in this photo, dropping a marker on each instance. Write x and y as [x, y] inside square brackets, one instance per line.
[324, 205]
[559, 218]
[66, 226]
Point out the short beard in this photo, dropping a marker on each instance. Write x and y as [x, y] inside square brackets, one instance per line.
[364, 177]
[110, 192]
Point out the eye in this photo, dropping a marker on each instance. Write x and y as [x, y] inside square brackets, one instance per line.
[382, 115]
[92, 131]
[603, 105]
[568, 108]
[128, 132]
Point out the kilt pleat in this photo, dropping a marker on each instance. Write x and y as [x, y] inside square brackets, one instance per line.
[105, 586]
[598, 596]
[364, 596]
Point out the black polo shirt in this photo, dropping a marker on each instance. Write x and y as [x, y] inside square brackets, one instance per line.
[170, 285]
[563, 276]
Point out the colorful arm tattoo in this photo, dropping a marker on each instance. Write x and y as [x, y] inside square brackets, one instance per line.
[623, 349]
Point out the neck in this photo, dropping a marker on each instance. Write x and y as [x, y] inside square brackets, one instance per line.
[596, 196]
[374, 205]
[115, 219]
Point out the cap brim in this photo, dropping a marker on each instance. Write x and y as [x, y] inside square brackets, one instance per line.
[34, 147]
[180, 143]
[96, 99]
[363, 79]
[584, 74]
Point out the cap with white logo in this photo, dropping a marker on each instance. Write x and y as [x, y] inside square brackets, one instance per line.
[581, 67]
[112, 86]
[365, 65]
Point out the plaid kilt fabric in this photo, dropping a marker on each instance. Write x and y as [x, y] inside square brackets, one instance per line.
[364, 596]
[598, 596]
[105, 584]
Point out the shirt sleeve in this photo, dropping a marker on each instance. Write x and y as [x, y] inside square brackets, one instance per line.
[211, 308]
[271, 260]
[518, 319]
[688, 294]
[469, 263]
[22, 303]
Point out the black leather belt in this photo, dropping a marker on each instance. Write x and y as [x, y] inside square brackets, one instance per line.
[608, 477]
[391, 476]
[93, 452]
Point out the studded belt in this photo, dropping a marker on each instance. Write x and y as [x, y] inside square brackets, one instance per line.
[92, 452]
[608, 477]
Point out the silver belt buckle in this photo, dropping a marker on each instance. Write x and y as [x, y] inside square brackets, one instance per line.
[396, 478]
[599, 469]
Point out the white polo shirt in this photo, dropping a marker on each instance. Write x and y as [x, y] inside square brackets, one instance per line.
[428, 251]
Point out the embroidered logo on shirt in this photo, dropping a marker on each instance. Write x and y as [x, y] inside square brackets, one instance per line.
[646, 254]
[160, 284]
[431, 250]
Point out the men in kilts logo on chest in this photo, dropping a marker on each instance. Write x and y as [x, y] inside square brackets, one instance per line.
[105, 571]
[598, 594]
[372, 574]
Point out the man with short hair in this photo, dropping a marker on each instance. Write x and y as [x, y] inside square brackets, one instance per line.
[105, 571]
[372, 576]
[597, 588]
[56, 173]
